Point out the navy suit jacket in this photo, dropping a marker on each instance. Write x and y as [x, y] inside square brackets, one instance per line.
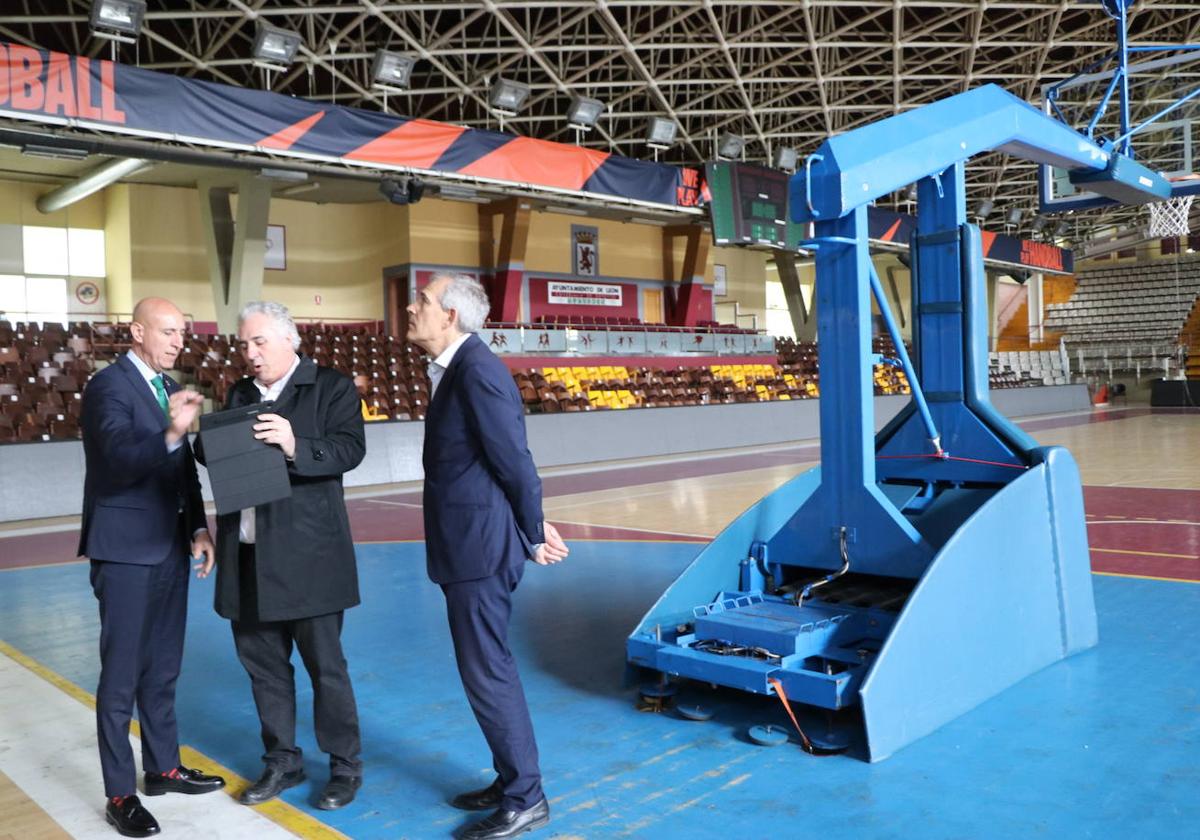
[134, 489]
[483, 497]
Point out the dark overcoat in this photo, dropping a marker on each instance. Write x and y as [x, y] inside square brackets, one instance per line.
[304, 554]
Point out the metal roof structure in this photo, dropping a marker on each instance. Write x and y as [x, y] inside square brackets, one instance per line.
[778, 74]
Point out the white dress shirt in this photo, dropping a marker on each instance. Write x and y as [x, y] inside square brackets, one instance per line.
[148, 373]
[437, 368]
[272, 392]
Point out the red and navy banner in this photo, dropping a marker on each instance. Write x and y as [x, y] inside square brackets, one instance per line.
[889, 226]
[52, 87]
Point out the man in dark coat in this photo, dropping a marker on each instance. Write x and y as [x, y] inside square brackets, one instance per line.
[142, 512]
[286, 570]
[483, 520]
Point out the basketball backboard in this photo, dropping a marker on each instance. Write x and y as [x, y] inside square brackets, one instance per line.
[1169, 145]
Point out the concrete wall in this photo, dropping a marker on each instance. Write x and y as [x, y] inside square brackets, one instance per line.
[46, 479]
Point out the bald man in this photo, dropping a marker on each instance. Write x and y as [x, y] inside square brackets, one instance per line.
[142, 519]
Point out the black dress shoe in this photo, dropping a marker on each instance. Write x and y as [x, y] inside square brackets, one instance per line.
[272, 783]
[130, 819]
[339, 792]
[182, 780]
[484, 799]
[503, 824]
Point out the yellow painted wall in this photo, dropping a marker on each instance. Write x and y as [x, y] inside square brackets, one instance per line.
[18, 207]
[443, 233]
[338, 252]
[167, 248]
[746, 282]
[335, 251]
[627, 250]
[118, 251]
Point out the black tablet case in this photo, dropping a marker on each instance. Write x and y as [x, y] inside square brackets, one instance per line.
[243, 472]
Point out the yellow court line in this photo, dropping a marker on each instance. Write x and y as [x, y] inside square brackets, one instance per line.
[1144, 521]
[277, 811]
[1146, 553]
[1145, 577]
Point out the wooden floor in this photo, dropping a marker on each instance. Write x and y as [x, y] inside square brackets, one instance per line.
[22, 819]
[1135, 450]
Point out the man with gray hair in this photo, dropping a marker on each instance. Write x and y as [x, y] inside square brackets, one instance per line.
[286, 570]
[483, 519]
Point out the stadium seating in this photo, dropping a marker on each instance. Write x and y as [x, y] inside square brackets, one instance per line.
[43, 369]
[1129, 303]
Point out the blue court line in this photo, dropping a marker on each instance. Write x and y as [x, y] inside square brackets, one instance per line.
[1103, 745]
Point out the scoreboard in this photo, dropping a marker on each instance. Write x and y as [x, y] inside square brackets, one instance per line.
[749, 206]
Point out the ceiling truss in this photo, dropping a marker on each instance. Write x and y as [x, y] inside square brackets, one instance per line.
[779, 74]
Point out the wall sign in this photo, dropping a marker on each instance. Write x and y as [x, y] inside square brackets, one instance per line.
[276, 256]
[87, 292]
[583, 294]
[585, 251]
[719, 280]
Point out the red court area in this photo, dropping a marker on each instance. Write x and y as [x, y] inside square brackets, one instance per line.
[1144, 531]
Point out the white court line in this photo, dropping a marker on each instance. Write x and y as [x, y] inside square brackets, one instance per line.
[572, 522]
[48, 749]
[44, 529]
[628, 528]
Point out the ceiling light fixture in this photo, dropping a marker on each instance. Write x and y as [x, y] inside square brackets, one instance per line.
[275, 48]
[117, 20]
[392, 71]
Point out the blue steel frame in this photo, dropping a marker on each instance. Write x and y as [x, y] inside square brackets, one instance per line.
[986, 527]
[1123, 143]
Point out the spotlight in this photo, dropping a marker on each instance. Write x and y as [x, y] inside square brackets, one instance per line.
[274, 48]
[1014, 216]
[584, 112]
[402, 192]
[785, 158]
[911, 192]
[117, 20]
[508, 96]
[660, 133]
[730, 145]
[391, 70]
[985, 209]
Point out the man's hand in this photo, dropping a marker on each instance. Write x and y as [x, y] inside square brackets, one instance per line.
[277, 430]
[553, 549]
[182, 408]
[202, 544]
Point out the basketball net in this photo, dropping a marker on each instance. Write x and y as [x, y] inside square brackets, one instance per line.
[1170, 218]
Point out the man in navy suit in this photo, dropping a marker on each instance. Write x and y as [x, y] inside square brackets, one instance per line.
[483, 520]
[142, 518]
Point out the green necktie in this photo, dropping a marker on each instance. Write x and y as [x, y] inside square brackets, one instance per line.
[160, 391]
